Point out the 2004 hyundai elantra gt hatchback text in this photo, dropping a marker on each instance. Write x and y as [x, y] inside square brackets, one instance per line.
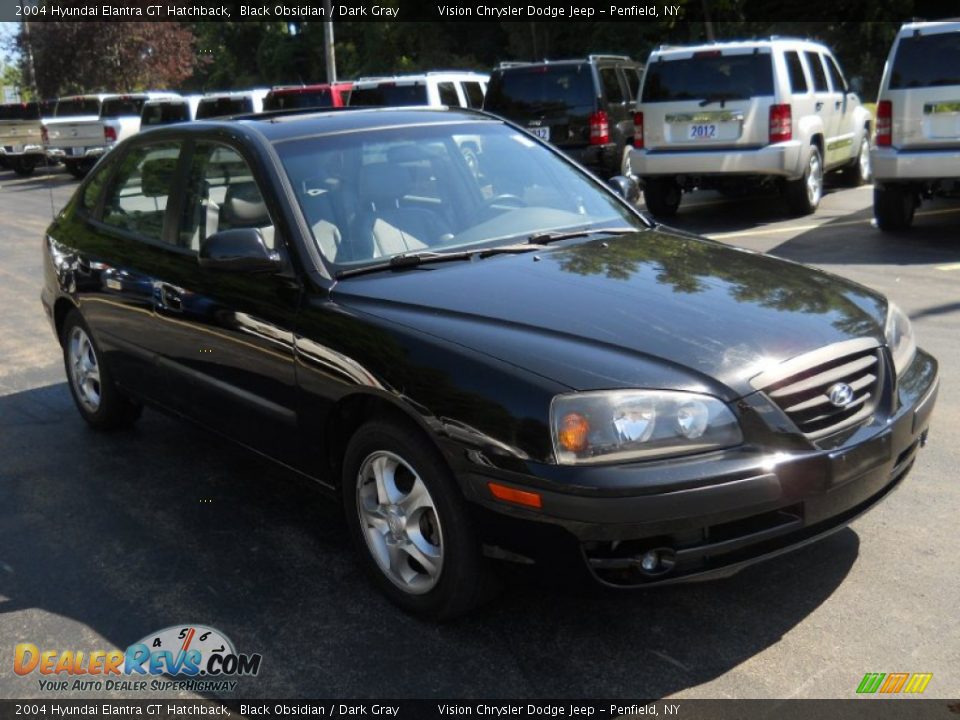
[482, 354]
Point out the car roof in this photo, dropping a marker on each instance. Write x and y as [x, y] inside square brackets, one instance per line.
[282, 125]
[414, 77]
[296, 89]
[929, 27]
[766, 43]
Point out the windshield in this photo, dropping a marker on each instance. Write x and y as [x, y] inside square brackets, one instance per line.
[298, 99]
[372, 195]
[117, 107]
[74, 107]
[707, 75]
[912, 66]
[390, 94]
[221, 107]
[164, 113]
[540, 88]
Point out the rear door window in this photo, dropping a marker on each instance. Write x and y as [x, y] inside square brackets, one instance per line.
[798, 80]
[709, 74]
[541, 89]
[137, 200]
[448, 94]
[926, 61]
[816, 71]
[836, 77]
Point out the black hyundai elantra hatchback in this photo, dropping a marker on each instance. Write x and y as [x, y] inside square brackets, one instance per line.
[480, 348]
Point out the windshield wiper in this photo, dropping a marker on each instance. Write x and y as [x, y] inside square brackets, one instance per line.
[423, 257]
[548, 237]
[719, 97]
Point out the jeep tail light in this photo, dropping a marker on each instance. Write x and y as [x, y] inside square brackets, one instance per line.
[781, 123]
[109, 133]
[884, 123]
[599, 128]
[638, 130]
[44, 135]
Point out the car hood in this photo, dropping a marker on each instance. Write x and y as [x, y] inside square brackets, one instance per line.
[655, 308]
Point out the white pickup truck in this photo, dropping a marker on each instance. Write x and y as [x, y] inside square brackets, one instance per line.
[84, 127]
[21, 143]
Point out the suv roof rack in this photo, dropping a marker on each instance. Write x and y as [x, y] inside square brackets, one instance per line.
[608, 56]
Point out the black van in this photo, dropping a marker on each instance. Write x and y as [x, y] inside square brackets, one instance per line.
[584, 107]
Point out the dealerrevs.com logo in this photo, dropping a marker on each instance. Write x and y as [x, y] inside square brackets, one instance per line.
[198, 658]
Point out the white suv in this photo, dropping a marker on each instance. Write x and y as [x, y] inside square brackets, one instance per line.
[917, 144]
[434, 89]
[723, 115]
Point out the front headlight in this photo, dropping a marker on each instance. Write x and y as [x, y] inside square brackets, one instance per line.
[619, 425]
[900, 338]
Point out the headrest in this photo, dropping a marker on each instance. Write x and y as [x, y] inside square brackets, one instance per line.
[243, 206]
[384, 181]
[156, 176]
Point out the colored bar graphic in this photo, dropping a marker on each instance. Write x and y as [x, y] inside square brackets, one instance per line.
[894, 683]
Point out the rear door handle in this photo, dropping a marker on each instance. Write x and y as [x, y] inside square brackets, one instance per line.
[818, 106]
[836, 105]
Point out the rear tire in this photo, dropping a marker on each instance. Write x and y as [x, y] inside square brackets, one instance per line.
[662, 196]
[98, 399]
[78, 168]
[401, 503]
[893, 207]
[24, 167]
[803, 195]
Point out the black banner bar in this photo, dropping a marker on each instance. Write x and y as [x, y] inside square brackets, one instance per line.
[873, 708]
[470, 10]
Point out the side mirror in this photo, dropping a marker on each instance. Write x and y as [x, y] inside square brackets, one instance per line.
[625, 187]
[239, 250]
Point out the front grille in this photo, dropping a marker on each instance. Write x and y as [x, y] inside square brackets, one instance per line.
[801, 386]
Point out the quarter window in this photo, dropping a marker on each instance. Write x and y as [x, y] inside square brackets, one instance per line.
[222, 194]
[611, 85]
[816, 70]
[474, 94]
[137, 200]
[798, 81]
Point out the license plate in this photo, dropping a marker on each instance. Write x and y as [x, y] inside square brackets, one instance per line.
[77, 151]
[541, 132]
[699, 131]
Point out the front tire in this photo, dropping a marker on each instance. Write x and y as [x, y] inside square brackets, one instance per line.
[893, 207]
[98, 399]
[662, 196]
[408, 522]
[803, 195]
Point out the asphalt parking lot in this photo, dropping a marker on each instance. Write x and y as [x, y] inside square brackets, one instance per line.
[105, 538]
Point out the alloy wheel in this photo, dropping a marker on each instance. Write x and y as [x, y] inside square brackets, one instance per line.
[84, 369]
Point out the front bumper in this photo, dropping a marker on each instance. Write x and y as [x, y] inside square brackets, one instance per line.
[709, 516]
[782, 160]
[76, 153]
[890, 164]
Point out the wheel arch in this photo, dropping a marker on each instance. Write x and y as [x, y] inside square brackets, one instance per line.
[61, 308]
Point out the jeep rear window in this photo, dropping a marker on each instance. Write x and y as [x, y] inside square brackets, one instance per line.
[222, 107]
[165, 113]
[710, 74]
[115, 107]
[298, 99]
[927, 61]
[541, 89]
[390, 94]
[78, 106]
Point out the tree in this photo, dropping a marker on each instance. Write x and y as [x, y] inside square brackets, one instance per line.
[78, 57]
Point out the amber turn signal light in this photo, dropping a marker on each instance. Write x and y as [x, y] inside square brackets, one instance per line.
[512, 495]
[573, 433]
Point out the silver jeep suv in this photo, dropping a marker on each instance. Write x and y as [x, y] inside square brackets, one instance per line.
[917, 152]
[761, 112]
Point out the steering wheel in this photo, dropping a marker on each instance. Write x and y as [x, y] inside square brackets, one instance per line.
[507, 199]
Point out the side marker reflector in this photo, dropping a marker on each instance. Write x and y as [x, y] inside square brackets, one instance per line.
[517, 497]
